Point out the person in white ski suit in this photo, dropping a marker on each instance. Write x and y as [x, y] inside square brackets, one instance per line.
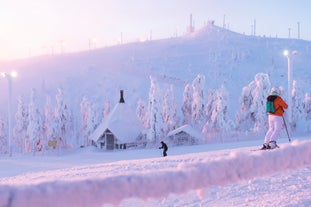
[275, 120]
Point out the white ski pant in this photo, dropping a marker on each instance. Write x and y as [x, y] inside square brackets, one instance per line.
[275, 127]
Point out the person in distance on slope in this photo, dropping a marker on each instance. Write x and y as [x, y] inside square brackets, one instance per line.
[164, 147]
[275, 119]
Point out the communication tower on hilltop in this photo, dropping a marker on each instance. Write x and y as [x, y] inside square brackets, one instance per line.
[190, 28]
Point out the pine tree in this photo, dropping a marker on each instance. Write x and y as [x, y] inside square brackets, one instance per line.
[107, 109]
[198, 105]
[170, 110]
[260, 93]
[63, 117]
[35, 128]
[156, 130]
[88, 124]
[3, 141]
[21, 124]
[307, 111]
[98, 113]
[252, 115]
[297, 105]
[218, 122]
[50, 124]
[141, 112]
[245, 118]
[186, 104]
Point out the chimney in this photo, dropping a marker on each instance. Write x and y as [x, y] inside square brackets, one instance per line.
[121, 97]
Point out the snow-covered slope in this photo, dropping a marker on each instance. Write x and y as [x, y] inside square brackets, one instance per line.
[224, 57]
[182, 180]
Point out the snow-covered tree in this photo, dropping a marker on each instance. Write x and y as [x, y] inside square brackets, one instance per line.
[3, 142]
[198, 102]
[218, 122]
[107, 109]
[156, 123]
[99, 113]
[51, 128]
[88, 121]
[170, 110]
[35, 127]
[307, 111]
[297, 105]
[186, 104]
[141, 112]
[252, 115]
[21, 124]
[63, 117]
[260, 94]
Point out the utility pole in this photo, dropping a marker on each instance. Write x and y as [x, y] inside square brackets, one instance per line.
[298, 24]
[224, 22]
[254, 27]
[289, 33]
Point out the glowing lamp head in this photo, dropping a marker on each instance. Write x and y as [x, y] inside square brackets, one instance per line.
[286, 53]
[13, 74]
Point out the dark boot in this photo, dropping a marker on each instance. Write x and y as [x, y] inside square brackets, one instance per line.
[265, 146]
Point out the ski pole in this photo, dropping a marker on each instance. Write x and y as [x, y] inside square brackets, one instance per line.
[286, 129]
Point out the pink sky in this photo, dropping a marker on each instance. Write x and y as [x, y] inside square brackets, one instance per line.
[37, 27]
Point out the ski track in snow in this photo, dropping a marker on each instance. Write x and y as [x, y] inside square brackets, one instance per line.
[158, 180]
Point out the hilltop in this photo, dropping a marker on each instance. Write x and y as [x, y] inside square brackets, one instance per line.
[222, 56]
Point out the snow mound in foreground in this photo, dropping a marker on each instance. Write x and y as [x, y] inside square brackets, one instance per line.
[238, 166]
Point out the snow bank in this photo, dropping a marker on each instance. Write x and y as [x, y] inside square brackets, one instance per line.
[187, 176]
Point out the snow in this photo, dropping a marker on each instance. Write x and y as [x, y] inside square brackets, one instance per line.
[190, 176]
[121, 117]
[216, 174]
[185, 128]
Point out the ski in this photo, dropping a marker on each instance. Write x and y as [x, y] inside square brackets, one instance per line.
[260, 149]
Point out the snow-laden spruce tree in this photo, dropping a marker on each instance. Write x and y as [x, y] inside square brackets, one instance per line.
[198, 102]
[87, 123]
[252, 115]
[3, 141]
[307, 111]
[218, 123]
[107, 109]
[51, 128]
[297, 106]
[141, 112]
[156, 123]
[64, 120]
[35, 131]
[99, 112]
[186, 104]
[21, 124]
[170, 110]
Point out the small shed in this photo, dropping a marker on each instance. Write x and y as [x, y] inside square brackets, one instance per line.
[120, 130]
[184, 135]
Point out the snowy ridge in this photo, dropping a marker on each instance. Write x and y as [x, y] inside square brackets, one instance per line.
[237, 166]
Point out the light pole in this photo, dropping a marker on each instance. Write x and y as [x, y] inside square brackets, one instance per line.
[9, 77]
[289, 56]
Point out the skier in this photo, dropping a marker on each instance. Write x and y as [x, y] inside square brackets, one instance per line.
[164, 147]
[274, 119]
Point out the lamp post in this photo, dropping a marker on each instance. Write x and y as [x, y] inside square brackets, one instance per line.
[289, 56]
[9, 77]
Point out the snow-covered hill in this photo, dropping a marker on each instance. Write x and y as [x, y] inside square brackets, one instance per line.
[205, 175]
[222, 56]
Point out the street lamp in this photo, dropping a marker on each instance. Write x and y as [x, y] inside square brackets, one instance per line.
[289, 56]
[9, 77]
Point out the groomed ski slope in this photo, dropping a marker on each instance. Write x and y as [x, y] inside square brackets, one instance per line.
[236, 177]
